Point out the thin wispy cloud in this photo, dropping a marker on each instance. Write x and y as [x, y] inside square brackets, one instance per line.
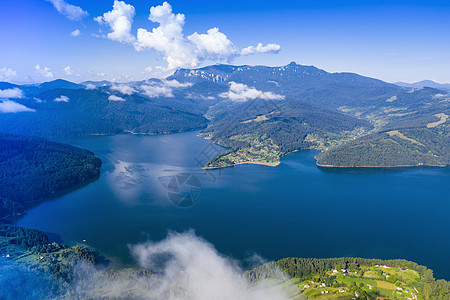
[168, 38]
[70, 11]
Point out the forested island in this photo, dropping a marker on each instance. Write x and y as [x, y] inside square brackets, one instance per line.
[34, 169]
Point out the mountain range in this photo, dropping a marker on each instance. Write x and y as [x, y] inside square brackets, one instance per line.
[260, 113]
[425, 83]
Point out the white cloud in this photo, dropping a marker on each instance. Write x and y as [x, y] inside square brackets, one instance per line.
[274, 48]
[154, 91]
[148, 69]
[163, 88]
[199, 97]
[75, 33]
[213, 45]
[242, 92]
[68, 70]
[175, 84]
[195, 268]
[46, 72]
[115, 98]
[8, 106]
[119, 20]
[168, 37]
[124, 89]
[7, 74]
[62, 99]
[11, 93]
[90, 86]
[71, 12]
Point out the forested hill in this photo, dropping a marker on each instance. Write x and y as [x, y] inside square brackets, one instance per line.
[354, 278]
[34, 169]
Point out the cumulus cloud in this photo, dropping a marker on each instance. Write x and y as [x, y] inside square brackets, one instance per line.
[242, 92]
[119, 20]
[75, 33]
[90, 86]
[124, 89]
[168, 37]
[11, 93]
[115, 98]
[8, 106]
[175, 84]
[260, 48]
[7, 74]
[71, 12]
[163, 88]
[62, 99]
[46, 72]
[213, 45]
[199, 97]
[154, 91]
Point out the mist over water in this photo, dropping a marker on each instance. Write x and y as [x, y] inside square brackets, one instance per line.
[293, 210]
[183, 266]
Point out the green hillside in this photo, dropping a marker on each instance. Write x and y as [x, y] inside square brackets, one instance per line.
[349, 278]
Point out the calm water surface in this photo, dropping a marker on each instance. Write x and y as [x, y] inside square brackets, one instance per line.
[295, 209]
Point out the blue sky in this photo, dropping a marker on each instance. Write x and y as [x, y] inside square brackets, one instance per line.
[390, 40]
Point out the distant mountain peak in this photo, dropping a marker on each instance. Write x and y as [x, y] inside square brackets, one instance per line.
[425, 83]
[59, 84]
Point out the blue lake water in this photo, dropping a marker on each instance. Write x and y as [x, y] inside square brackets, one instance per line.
[295, 209]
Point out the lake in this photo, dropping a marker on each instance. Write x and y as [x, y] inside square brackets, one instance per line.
[150, 185]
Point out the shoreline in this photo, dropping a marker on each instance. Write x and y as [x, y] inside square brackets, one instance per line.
[244, 163]
[380, 167]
